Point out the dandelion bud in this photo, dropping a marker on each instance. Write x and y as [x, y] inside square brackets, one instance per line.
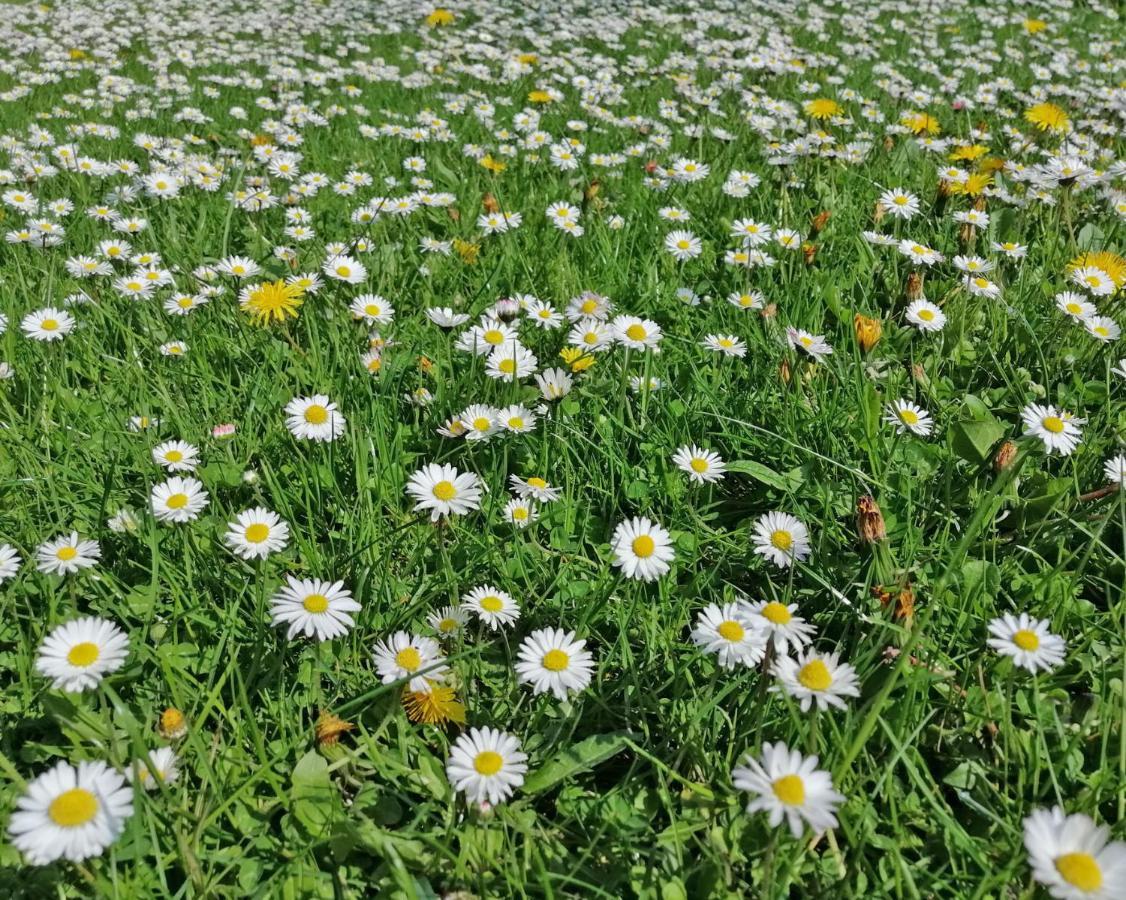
[919, 373]
[453, 213]
[489, 202]
[651, 167]
[878, 213]
[784, 371]
[901, 599]
[769, 311]
[592, 190]
[809, 251]
[171, 724]
[1005, 455]
[819, 221]
[966, 234]
[329, 728]
[889, 143]
[914, 288]
[870, 521]
[868, 331]
[425, 365]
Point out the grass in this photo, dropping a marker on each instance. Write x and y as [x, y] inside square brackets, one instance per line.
[629, 791]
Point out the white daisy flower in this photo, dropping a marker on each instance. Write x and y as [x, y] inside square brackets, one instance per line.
[256, 533]
[781, 538]
[314, 418]
[925, 316]
[314, 608]
[9, 562]
[520, 513]
[1114, 469]
[789, 786]
[161, 766]
[1074, 858]
[372, 309]
[444, 491]
[908, 416]
[492, 606]
[70, 813]
[66, 554]
[817, 678]
[176, 456]
[178, 500]
[1027, 641]
[702, 466]
[642, 549]
[405, 656]
[781, 624]
[47, 324]
[729, 633]
[637, 334]
[551, 659]
[1074, 305]
[1059, 430]
[486, 765]
[78, 654]
[813, 344]
[534, 487]
[448, 621]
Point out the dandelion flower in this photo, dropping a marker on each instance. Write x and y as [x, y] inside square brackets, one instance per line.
[271, 301]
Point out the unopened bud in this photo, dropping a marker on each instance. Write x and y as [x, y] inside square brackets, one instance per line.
[870, 521]
[868, 331]
[914, 289]
[1005, 455]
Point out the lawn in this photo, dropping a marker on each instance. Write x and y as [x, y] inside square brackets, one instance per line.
[581, 450]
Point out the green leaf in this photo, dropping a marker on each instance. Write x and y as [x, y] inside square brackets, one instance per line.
[980, 577]
[581, 757]
[315, 800]
[787, 482]
[973, 439]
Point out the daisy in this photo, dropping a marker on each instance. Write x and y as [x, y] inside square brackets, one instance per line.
[781, 538]
[480, 422]
[372, 309]
[256, 533]
[9, 562]
[554, 384]
[980, 286]
[817, 678]
[1114, 469]
[1074, 305]
[493, 607]
[642, 549]
[813, 344]
[702, 466]
[511, 362]
[178, 500]
[448, 621]
[899, 203]
[789, 786]
[344, 268]
[683, 245]
[1093, 280]
[1027, 641]
[747, 299]
[66, 554]
[1074, 858]
[405, 656]
[591, 334]
[728, 632]
[1102, 328]
[551, 659]
[164, 769]
[486, 765]
[238, 267]
[78, 654]
[925, 316]
[520, 513]
[516, 418]
[71, 813]
[313, 607]
[176, 456]
[637, 334]
[444, 491]
[1059, 430]
[907, 416]
[727, 344]
[48, 324]
[314, 418]
[444, 317]
[918, 253]
[534, 487]
[781, 624]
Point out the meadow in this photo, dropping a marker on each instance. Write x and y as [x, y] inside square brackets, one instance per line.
[600, 450]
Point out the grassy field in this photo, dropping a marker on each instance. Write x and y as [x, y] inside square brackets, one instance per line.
[271, 270]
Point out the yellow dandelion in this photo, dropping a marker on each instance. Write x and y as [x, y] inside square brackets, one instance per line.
[528, 59]
[539, 97]
[577, 358]
[440, 17]
[822, 108]
[467, 250]
[968, 151]
[1048, 117]
[76, 53]
[1113, 265]
[272, 300]
[1034, 26]
[261, 140]
[918, 122]
[973, 185]
[330, 727]
[493, 165]
[171, 724]
[437, 707]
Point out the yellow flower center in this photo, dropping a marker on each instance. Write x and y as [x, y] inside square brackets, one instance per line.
[372, 310]
[177, 501]
[927, 315]
[66, 554]
[444, 490]
[1054, 424]
[775, 613]
[1026, 640]
[731, 631]
[790, 789]
[316, 414]
[493, 336]
[1080, 870]
[482, 423]
[315, 603]
[1074, 308]
[492, 603]
[74, 807]
[643, 546]
[488, 762]
[556, 660]
[589, 306]
[173, 456]
[726, 343]
[918, 250]
[343, 271]
[909, 417]
[50, 324]
[1101, 330]
[447, 625]
[257, 533]
[83, 655]
[781, 539]
[537, 483]
[408, 658]
[516, 422]
[590, 338]
[507, 366]
[814, 676]
[635, 333]
[520, 513]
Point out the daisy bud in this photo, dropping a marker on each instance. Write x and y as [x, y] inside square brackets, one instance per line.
[868, 331]
[870, 521]
[914, 288]
[506, 309]
[1005, 455]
